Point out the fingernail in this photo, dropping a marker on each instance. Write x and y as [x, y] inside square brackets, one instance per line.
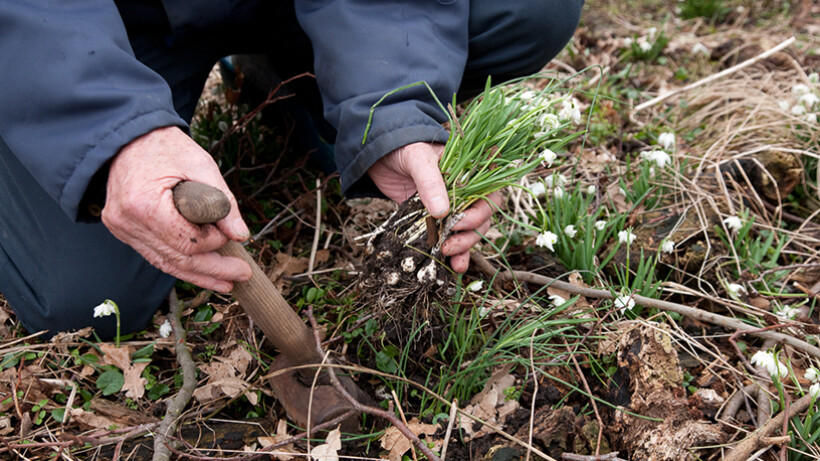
[240, 229]
[222, 287]
[438, 206]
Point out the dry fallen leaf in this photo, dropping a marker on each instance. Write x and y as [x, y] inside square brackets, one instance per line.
[120, 357]
[491, 405]
[398, 444]
[329, 451]
[134, 385]
[90, 420]
[282, 453]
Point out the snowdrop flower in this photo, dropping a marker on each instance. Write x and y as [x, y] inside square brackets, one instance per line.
[800, 89]
[527, 95]
[591, 189]
[547, 157]
[222, 125]
[651, 32]
[814, 390]
[666, 140]
[810, 118]
[809, 100]
[735, 290]
[814, 78]
[626, 236]
[797, 109]
[165, 329]
[600, 225]
[624, 303]
[570, 231]
[622, 191]
[569, 111]
[548, 122]
[558, 192]
[768, 361]
[105, 309]
[668, 246]
[644, 45]
[555, 180]
[557, 300]
[783, 104]
[788, 312]
[660, 157]
[537, 189]
[813, 374]
[546, 239]
[628, 41]
[477, 285]
[700, 48]
[733, 223]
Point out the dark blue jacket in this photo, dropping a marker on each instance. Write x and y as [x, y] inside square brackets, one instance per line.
[73, 93]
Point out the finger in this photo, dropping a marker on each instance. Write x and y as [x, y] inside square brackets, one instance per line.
[462, 241]
[422, 165]
[460, 262]
[233, 226]
[478, 213]
[215, 266]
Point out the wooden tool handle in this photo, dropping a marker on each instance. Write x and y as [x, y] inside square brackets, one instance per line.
[200, 204]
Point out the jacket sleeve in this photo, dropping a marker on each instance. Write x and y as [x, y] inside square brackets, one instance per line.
[72, 92]
[363, 50]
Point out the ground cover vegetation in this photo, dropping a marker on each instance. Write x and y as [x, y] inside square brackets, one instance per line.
[648, 290]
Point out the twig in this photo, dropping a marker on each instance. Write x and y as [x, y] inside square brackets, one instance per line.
[318, 231]
[453, 416]
[713, 77]
[613, 456]
[591, 400]
[665, 306]
[404, 420]
[534, 395]
[162, 450]
[365, 408]
[761, 437]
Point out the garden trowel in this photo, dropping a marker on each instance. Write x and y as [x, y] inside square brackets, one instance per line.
[203, 204]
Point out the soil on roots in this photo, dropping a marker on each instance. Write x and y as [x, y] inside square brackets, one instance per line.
[403, 277]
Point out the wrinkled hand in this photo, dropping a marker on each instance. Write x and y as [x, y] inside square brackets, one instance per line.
[414, 167]
[139, 210]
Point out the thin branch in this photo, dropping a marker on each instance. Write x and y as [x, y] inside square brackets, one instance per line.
[178, 403]
[762, 437]
[713, 77]
[728, 322]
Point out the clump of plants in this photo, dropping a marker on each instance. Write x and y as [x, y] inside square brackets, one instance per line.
[500, 136]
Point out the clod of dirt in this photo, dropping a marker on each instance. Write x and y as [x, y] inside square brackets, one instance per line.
[402, 273]
[773, 174]
[655, 385]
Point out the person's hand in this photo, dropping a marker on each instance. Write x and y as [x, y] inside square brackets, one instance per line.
[139, 210]
[414, 167]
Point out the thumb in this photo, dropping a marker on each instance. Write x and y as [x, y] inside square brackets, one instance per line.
[423, 169]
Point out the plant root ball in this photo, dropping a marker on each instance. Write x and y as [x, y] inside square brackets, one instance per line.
[404, 277]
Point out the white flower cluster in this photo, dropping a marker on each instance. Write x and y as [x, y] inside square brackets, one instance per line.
[805, 100]
[734, 223]
[768, 360]
[624, 302]
[813, 375]
[657, 156]
[165, 329]
[546, 239]
[570, 110]
[105, 309]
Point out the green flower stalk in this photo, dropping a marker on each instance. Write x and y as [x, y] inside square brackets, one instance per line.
[107, 308]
